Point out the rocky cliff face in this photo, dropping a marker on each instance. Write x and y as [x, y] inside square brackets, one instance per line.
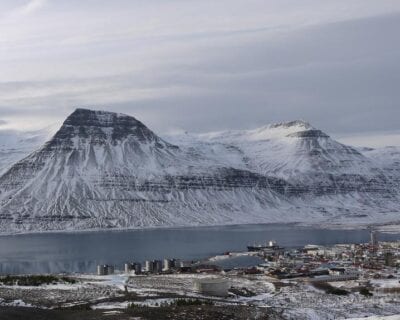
[107, 170]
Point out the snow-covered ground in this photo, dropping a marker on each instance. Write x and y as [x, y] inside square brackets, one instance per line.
[291, 299]
[395, 317]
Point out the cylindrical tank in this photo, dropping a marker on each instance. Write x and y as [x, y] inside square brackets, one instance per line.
[212, 286]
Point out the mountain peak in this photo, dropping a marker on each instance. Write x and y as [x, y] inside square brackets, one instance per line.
[88, 117]
[102, 127]
[298, 129]
[104, 169]
[312, 133]
[290, 124]
[279, 130]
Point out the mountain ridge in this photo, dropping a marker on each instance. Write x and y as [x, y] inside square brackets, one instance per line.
[108, 170]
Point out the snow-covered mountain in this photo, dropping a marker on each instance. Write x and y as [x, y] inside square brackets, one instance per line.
[15, 145]
[108, 170]
[388, 160]
[299, 153]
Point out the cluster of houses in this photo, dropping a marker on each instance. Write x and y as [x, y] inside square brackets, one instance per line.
[340, 262]
[149, 267]
[311, 263]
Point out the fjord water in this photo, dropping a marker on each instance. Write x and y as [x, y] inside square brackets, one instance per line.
[82, 251]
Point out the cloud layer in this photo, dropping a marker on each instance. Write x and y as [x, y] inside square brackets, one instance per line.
[206, 65]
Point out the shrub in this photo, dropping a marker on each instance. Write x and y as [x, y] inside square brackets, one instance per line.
[34, 280]
[330, 289]
[365, 292]
[192, 302]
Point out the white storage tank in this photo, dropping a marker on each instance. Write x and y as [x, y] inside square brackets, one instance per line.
[212, 286]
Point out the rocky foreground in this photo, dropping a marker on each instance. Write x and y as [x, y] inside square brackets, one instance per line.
[179, 313]
[173, 297]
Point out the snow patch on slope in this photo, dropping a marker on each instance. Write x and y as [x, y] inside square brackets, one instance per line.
[15, 145]
[107, 170]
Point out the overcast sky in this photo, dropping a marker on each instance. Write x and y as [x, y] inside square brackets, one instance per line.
[205, 65]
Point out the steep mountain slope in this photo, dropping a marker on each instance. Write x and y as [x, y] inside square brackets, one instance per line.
[388, 160]
[303, 155]
[104, 169]
[108, 170]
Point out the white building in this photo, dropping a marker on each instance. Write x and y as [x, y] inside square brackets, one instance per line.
[105, 269]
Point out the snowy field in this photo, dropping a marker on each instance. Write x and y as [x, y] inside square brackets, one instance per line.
[290, 299]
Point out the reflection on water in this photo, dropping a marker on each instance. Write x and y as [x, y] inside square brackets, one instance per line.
[81, 252]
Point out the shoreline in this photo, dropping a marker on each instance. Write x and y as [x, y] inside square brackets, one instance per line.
[327, 274]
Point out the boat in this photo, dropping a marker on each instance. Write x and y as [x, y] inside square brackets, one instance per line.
[270, 246]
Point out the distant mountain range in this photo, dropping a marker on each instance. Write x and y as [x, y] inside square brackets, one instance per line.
[108, 170]
[15, 145]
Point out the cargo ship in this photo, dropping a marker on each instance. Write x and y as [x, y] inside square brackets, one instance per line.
[271, 245]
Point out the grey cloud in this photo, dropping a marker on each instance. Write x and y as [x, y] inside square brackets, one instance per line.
[342, 77]
[306, 76]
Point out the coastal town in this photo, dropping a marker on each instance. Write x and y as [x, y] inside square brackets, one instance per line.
[310, 282]
[312, 263]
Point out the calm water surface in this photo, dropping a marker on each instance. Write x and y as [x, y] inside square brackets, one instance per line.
[82, 251]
